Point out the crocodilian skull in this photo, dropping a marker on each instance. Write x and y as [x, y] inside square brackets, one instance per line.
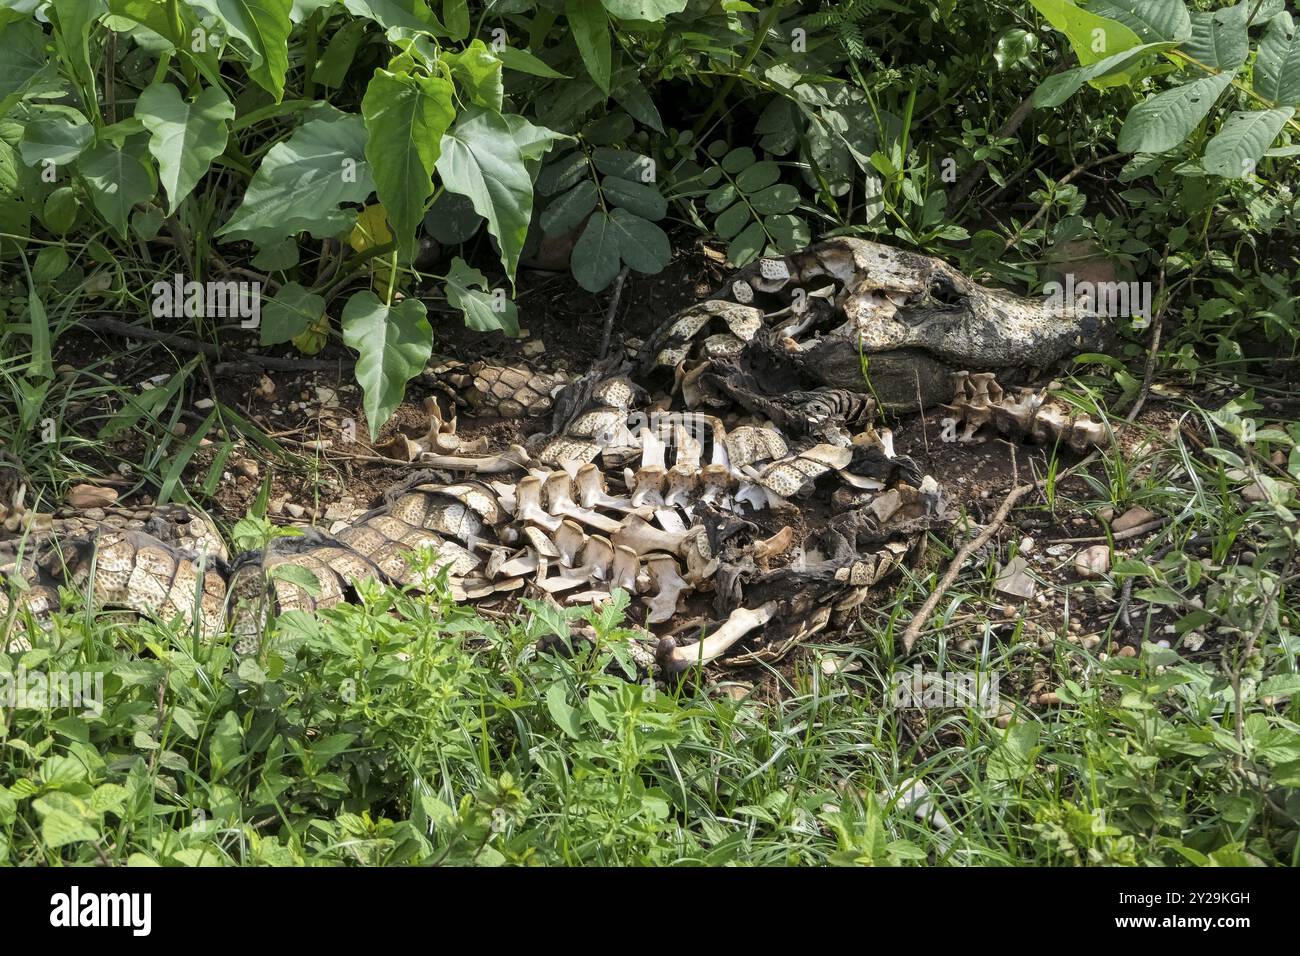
[849, 309]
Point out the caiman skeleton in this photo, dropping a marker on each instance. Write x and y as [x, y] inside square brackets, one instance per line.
[776, 381]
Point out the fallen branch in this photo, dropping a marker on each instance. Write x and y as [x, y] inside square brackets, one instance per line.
[236, 359]
[970, 547]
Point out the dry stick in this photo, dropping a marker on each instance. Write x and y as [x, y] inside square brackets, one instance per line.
[103, 323]
[970, 547]
[611, 310]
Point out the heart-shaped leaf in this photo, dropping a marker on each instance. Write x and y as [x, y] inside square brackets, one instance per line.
[263, 26]
[484, 310]
[393, 343]
[406, 117]
[184, 137]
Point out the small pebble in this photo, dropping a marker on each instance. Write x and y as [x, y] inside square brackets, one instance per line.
[1128, 650]
[294, 510]
[1092, 562]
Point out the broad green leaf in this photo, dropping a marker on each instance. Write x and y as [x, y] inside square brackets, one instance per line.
[225, 745]
[478, 73]
[790, 233]
[1164, 121]
[1152, 20]
[747, 246]
[290, 313]
[56, 135]
[533, 142]
[567, 210]
[482, 159]
[634, 98]
[1092, 37]
[151, 14]
[1243, 140]
[184, 137]
[455, 15]
[646, 201]
[591, 32]
[297, 575]
[407, 14]
[393, 343]
[566, 717]
[451, 219]
[1013, 47]
[332, 68]
[626, 163]
[1219, 38]
[65, 819]
[641, 244]
[722, 197]
[73, 22]
[118, 179]
[1277, 66]
[484, 310]
[406, 117]
[742, 157]
[274, 258]
[51, 262]
[595, 259]
[24, 60]
[651, 11]
[781, 198]
[521, 61]
[302, 181]
[734, 219]
[263, 26]
[60, 211]
[561, 173]
[759, 176]
[1013, 758]
[1059, 87]
[303, 9]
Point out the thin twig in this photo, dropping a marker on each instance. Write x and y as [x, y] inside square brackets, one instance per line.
[611, 310]
[970, 547]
